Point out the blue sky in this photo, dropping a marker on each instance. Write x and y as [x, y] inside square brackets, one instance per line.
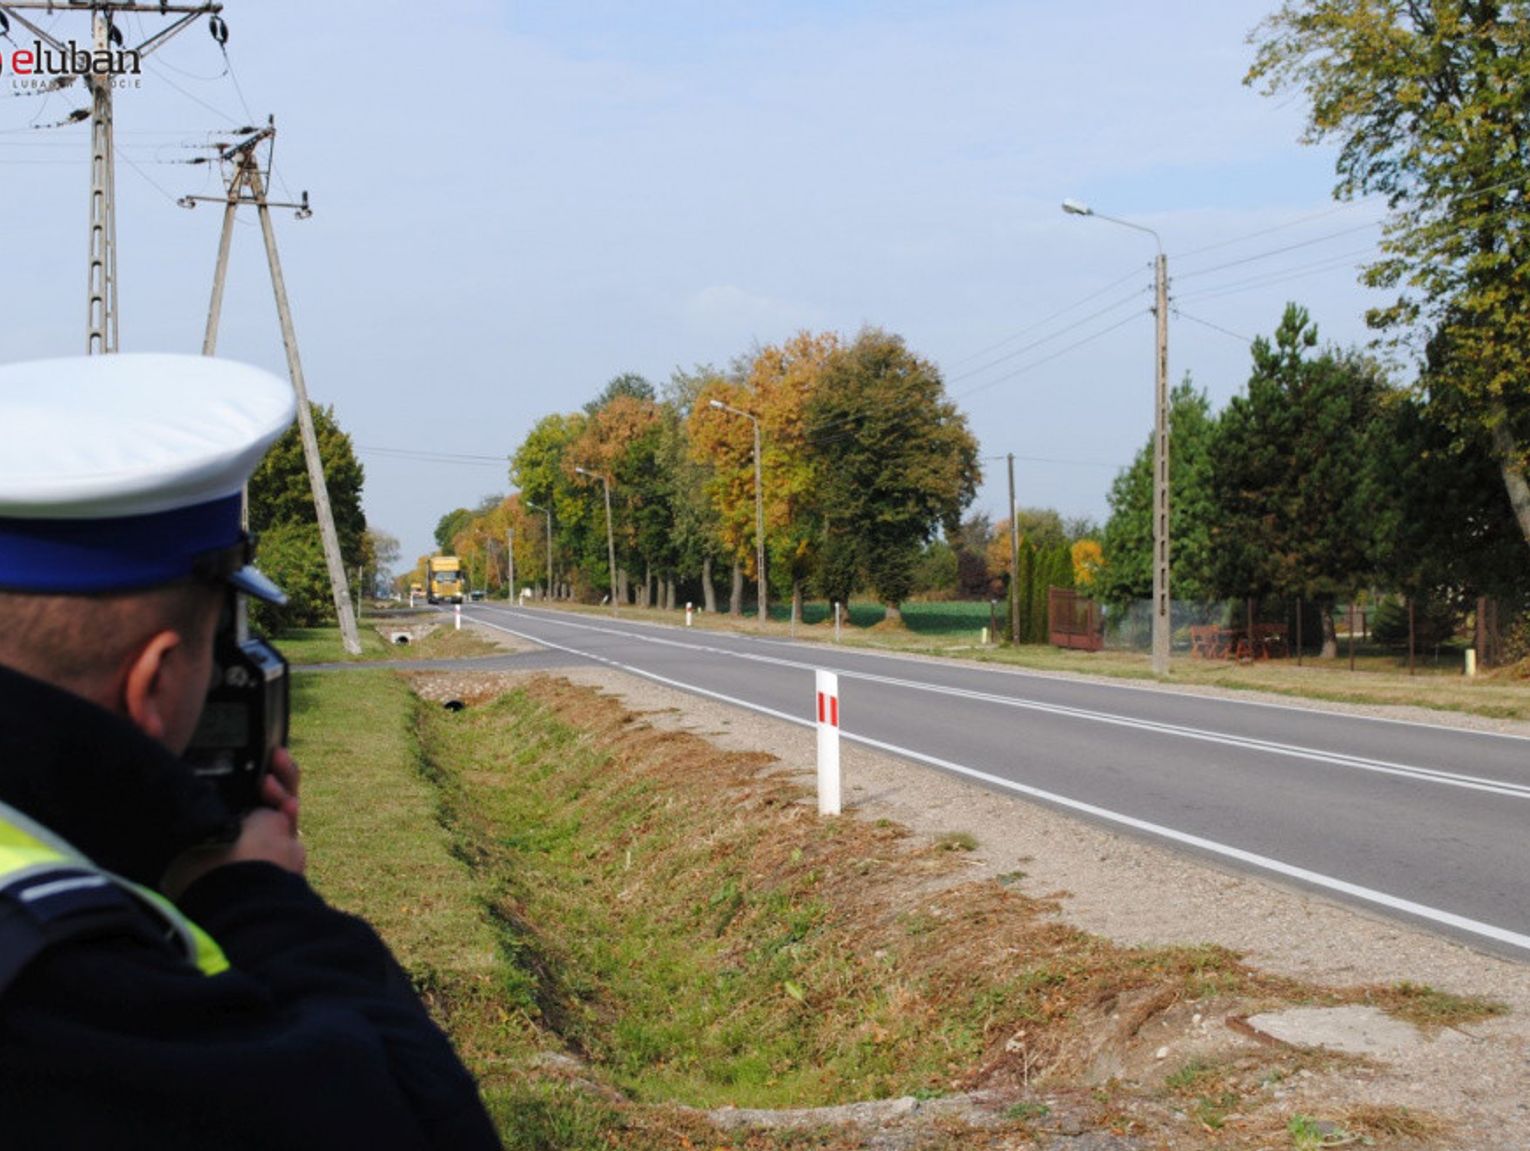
[516, 202]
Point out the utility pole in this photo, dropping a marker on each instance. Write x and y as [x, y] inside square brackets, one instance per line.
[1014, 557]
[759, 503]
[1161, 596]
[605, 482]
[247, 185]
[106, 45]
[510, 564]
[547, 511]
[1162, 623]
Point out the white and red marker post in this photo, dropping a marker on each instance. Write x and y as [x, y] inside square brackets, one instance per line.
[828, 743]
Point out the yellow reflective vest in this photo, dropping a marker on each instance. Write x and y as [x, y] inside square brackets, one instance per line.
[49, 892]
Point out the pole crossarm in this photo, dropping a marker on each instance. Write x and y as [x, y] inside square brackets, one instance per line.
[111, 6]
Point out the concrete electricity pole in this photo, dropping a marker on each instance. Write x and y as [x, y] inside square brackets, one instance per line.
[605, 483]
[759, 503]
[106, 46]
[1162, 622]
[247, 185]
[548, 513]
[1014, 557]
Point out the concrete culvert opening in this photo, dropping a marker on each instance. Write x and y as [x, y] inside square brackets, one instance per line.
[454, 705]
[401, 637]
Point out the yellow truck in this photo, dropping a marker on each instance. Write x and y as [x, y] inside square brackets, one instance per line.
[443, 579]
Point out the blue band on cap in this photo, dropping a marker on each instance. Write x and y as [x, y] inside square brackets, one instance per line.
[75, 557]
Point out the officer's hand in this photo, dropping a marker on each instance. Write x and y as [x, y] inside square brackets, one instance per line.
[268, 834]
[279, 789]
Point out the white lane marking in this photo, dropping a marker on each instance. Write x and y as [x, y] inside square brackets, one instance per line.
[1263, 862]
[1105, 684]
[1180, 731]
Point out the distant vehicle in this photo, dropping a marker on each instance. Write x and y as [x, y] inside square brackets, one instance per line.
[416, 591]
[443, 579]
[477, 593]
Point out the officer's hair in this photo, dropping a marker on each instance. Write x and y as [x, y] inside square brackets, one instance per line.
[74, 641]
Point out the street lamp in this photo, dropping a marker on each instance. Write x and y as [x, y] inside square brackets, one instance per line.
[1161, 617]
[610, 538]
[548, 513]
[759, 500]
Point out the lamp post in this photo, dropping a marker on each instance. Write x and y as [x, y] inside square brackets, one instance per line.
[610, 538]
[1161, 601]
[759, 501]
[548, 513]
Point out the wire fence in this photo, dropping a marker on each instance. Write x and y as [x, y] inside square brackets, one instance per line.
[1374, 633]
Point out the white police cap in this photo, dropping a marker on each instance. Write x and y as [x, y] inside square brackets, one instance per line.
[122, 472]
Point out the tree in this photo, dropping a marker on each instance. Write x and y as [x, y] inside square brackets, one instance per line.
[292, 554]
[776, 387]
[1127, 540]
[447, 529]
[280, 492]
[541, 470]
[893, 458]
[628, 384]
[1288, 468]
[382, 551]
[1429, 99]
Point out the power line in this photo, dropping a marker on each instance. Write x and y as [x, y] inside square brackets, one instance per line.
[1344, 207]
[425, 456]
[1278, 276]
[1208, 324]
[1277, 251]
[1047, 359]
[1048, 338]
[1048, 319]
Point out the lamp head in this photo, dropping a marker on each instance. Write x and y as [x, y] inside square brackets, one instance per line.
[718, 404]
[1077, 208]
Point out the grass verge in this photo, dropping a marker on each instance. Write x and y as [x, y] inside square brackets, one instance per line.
[564, 881]
[310, 645]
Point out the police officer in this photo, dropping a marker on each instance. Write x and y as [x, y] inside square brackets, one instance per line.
[168, 979]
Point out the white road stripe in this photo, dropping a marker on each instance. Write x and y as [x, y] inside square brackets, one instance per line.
[1246, 743]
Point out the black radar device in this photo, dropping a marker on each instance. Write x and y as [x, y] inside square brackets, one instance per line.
[245, 718]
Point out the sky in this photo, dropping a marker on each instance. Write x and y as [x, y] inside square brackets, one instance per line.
[516, 202]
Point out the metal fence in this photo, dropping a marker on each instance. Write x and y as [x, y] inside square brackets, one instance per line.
[1377, 633]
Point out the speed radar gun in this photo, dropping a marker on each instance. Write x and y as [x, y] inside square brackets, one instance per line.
[245, 719]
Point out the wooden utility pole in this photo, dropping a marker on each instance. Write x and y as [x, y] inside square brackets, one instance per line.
[246, 184]
[106, 45]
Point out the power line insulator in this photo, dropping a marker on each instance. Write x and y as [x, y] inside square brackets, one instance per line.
[218, 29]
[5, 26]
[114, 34]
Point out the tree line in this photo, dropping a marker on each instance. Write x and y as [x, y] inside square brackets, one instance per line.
[864, 461]
[1319, 480]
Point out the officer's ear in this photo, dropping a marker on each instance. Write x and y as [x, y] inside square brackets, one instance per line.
[149, 686]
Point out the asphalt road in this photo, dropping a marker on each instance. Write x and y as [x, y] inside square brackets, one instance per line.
[1424, 823]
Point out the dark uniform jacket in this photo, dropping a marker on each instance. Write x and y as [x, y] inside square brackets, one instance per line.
[313, 1039]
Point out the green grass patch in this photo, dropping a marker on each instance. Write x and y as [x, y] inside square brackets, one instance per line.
[376, 849]
[310, 645]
